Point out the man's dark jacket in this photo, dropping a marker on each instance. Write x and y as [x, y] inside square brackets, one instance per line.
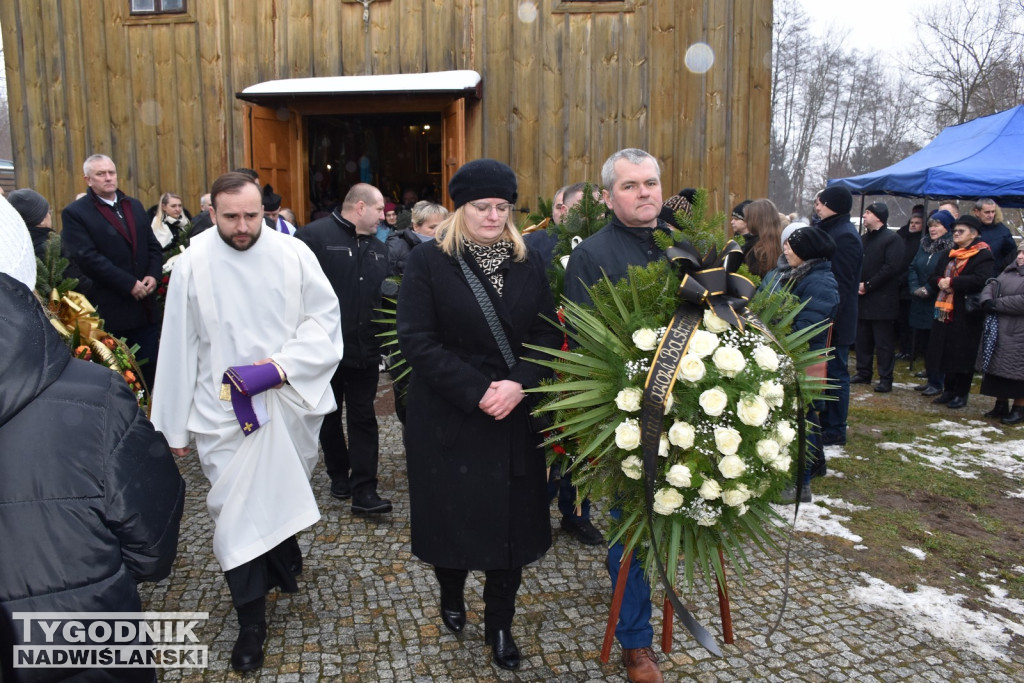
[611, 250]
[846, 264]
[880, 273]
[90, 496]
[399, 245]
[106, 256]
[356, 265]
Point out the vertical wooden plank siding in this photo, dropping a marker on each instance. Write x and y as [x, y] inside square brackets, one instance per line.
[214, 81]
[34, 110]
[718, 83]
[604, 71]
[493, 22]
[353, 40]
[553, 141]
[524, 124]
[736, 164]
[634, 79]
[325, 38]
[69, 183]
[56, 100]
[299, 31]
[758, 125]
[188, 134]
[664, 113]
[581, 157]
[410, 34]
[384, 35]
[145, 49]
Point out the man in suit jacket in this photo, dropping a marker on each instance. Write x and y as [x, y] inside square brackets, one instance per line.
[107, 234]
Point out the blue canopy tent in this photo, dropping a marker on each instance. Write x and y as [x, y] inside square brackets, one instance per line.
[980, 158]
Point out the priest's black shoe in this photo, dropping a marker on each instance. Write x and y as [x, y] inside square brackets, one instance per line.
[931, 391]
[370, 504]
[504, 648]
[341, 490]
[883, 387]
[944, 397]
[453, 616]
[957, 402]
[247, 654]
[857, 379]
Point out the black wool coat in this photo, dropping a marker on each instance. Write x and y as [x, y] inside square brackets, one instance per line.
[880, 273]
[477, 486]
[953, 345]
[846, 265]
[108, 260]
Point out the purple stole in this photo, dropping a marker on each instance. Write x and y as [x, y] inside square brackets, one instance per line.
[112, 218]
[243, 382]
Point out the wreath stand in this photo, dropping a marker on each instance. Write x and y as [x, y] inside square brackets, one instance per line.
[667, 611]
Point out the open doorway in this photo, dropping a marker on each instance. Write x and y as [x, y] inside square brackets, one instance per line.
[397, 153]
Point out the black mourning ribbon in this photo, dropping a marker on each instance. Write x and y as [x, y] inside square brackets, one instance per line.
[710, 281]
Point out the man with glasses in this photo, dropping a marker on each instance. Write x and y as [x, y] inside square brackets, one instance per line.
[632, 179]
[356, 263]
[993, 233]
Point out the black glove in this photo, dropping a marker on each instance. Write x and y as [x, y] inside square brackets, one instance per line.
[988, 305]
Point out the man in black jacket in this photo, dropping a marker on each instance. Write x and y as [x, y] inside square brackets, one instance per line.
[879, 302]
[832, 206]
[108, 235]
[356, 263]
[91, 496]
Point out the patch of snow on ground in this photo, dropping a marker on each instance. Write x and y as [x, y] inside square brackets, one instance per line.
[1015, 494]
[1019, 569]
[941, 615]
[832, 452]
[936, 457]
[839, 503]
[916, 552]
[815, 519]
[999, 599]
[903, 385]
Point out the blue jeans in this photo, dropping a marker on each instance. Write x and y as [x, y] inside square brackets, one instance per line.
[833, 417]
[634, 628]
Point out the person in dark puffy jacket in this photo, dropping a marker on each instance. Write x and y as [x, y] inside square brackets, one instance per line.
[1001, 356]
[90, 496]
[808, 252]
[426, 216]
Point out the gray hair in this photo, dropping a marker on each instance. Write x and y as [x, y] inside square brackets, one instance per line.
[423, 210]
[93, 158]
[632, 155]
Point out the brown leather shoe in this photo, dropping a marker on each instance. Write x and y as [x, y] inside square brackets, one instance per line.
[642, 665]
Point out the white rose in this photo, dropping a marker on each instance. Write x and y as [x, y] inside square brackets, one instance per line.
[627, 435]
[678, 475]
[727, 440]
[768, 450]
[669, 403]
[702, 343]
[663, 447]
[691, 368]
[782, 463]
[629, 399]
[773, 393]
[729, 360]
[667, 501]
[710, 489]
[713, 323]
[736, 497]
[633, 467]
[766, 359]
[681, 434]
[741, 510]
[752, 410]
[713, 401]
[732, 466]
[645, 339]
[785, 432]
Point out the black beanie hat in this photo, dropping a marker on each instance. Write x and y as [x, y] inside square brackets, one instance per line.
[810, 243]
[674, 204]
[481, 179]
[738, 210]
[32, 206]
[881, 211]
[837, 198]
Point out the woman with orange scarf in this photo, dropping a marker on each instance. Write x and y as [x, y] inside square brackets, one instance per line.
[956, 334]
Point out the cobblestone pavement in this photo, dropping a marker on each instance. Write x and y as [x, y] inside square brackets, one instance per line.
[367, 610]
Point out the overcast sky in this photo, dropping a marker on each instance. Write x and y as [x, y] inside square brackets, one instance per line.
[885, 26]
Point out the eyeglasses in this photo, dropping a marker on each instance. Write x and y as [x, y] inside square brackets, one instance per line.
[960, 232]
[484, 209]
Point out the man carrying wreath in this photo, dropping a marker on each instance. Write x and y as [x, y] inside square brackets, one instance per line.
[632, 181]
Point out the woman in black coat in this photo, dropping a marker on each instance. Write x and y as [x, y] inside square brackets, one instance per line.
[955, 332]
[477, 478]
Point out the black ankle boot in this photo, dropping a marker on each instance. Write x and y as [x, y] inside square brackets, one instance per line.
[1000, 409]
[453, 614]
[1016, 416]
[503, 646]
[247, 654]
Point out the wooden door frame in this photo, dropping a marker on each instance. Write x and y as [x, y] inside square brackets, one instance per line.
[298, 175]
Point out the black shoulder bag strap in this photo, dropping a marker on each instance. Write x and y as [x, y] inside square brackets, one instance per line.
[487, 306]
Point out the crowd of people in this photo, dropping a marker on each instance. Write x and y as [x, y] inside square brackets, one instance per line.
[268, 340]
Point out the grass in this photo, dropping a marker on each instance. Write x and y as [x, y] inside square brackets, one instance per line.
[968, 527]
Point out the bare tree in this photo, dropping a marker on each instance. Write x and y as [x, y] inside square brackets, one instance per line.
[968, 58]
[6, 148]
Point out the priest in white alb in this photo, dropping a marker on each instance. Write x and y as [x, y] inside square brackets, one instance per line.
[251, 338]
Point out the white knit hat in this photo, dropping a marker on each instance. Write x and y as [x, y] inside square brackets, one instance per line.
[17, 257]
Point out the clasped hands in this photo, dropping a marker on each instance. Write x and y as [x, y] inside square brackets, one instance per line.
[144, 287]
[501, 398]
